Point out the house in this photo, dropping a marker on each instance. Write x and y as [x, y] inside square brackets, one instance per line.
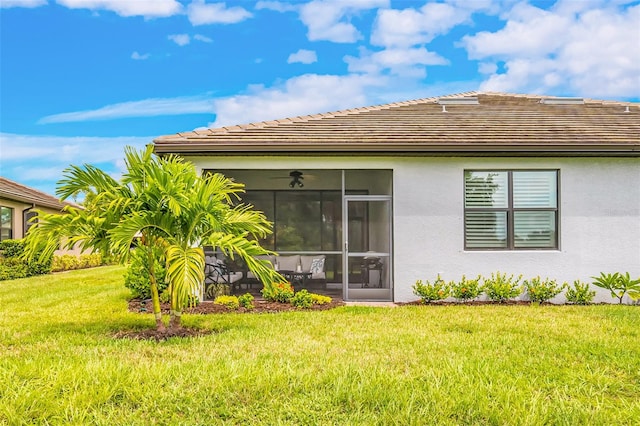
[470, 184]
[18, 204]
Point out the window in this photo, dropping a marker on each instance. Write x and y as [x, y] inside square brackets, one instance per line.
[6, 223]
[511, 210]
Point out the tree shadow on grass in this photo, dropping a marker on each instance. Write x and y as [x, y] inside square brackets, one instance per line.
[162, 335]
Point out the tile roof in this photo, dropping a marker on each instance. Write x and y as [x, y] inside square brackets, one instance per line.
[500, 123]
[15, 191]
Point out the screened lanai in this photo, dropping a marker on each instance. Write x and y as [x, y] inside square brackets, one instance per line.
[343, 216]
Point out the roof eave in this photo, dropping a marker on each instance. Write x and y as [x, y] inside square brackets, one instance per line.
[37, 202]
[206, 148]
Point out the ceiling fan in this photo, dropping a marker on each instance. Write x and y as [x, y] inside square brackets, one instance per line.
[296, 179]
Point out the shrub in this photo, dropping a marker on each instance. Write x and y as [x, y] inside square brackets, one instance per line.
[318, 299]
[193, 300]
[466, 289]
[429, 292]
[11, 248]
[542, 290]
[302, 299]
[12, 268]
[67, 262]
[63, 262]
[580, 293]
[230, 302]
[246, 301]
[501, 287]
[217, 289]
[279, 292]
[91, 260]
[137, 276]
[619, 285]
[165, 296]
[13, 265]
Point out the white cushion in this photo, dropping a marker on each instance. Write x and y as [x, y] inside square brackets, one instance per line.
[314, 264]
[317, 268]
[288, 263]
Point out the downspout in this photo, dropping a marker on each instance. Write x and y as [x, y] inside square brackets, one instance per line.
[24, 219]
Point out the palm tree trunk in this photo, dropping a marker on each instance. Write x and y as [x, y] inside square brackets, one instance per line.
[175, 318]
[155, 298]
[175, 315]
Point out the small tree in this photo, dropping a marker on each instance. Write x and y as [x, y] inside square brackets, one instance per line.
[618, 285]
[161, 203]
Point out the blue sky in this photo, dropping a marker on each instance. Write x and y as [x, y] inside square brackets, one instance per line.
[80, 79]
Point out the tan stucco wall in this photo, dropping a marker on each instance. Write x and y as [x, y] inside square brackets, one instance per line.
[18, 225]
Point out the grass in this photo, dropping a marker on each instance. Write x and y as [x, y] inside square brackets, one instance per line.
[529, 365]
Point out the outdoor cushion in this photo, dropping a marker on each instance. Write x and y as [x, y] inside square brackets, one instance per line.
[315, 265]
[268, 257]
[288, 263]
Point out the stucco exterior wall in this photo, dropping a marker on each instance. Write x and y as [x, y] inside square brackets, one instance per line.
[18, 208]
[599, 205]
[18, 214]
[599, 222]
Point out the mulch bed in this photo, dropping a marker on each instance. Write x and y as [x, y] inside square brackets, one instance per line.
[207, 307]
[472, 302]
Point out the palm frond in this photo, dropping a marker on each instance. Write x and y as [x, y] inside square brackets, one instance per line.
[185, 270]
[85, 180]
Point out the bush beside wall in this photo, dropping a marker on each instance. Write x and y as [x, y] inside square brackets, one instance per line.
[13, 266]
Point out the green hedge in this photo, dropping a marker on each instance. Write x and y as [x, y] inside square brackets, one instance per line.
[68, 262]
[12, 266]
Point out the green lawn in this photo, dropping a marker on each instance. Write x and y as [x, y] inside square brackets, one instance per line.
[59, 363]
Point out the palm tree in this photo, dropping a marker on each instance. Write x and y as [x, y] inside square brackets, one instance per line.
[159, 202]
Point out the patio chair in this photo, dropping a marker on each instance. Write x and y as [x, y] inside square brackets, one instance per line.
[216, 271]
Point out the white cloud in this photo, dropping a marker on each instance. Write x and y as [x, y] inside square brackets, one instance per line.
[303, 56]
[22, 3]
[184, 39]
[313, 93]
[276, 6]
[145, 108]
[202, 38]
[409, 27]
[201, 13]
[593, 52]
[325, 18]
[403, 34]
[487, 68]
[528, 31]
[140, 57]
[146, 8]
[400, 61]
[38, 161]
[306, 94]
[180, 39]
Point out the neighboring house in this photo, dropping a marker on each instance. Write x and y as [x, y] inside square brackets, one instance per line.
[462, 184]
[17, 205]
